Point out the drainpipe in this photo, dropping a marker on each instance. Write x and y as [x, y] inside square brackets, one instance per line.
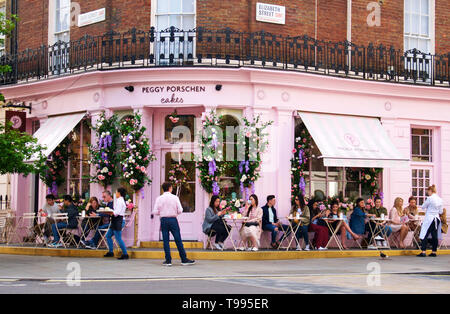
[349, 31]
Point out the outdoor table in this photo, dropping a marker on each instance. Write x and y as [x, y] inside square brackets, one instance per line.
[329, 222]
[234, 222]
[417, 223]
[292, 230]
[379, 231]
[92, 224]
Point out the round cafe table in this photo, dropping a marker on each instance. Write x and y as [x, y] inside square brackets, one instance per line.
[334, 231]
[379, 231]
[292, 231]
[234, 222]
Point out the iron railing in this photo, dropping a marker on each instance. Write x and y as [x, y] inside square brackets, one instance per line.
[226, 48]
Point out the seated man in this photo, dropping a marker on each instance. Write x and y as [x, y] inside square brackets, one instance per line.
[104, 224]
[50, 207]
[270, 220]
[72, 213]
[377, 210]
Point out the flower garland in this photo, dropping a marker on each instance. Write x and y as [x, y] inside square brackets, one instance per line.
[136, 154]
[178, 175]
[299, 162]
[209, 167]
[255, 143]
[56, 164]
[104, 153]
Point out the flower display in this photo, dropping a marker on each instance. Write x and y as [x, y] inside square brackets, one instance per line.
[136, 154]
[301, 155]
[234, 203]
[56, 165]
[209, 162]
[253, 138]
[104, 153]
[368, 179]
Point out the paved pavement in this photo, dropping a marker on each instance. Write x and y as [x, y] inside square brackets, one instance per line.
[405, 274]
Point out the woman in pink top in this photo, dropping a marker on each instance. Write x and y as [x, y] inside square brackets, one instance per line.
[251, 230]
[399, 220]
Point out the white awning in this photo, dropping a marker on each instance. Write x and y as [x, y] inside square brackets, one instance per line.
[54, 130]
[349, 141]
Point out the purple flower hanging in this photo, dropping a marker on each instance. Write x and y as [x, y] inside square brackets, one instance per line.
[215, 188]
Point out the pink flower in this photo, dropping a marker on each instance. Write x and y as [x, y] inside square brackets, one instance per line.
[101, 177]
[133, 182]
[304, 140]
[110, 173]
[143, 169]
[294, 151]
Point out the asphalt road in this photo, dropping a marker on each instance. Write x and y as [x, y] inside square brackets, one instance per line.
[406, 274]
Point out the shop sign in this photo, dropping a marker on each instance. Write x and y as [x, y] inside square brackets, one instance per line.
[270, 13]
[173, 94]
[91, 17]
[18, 120]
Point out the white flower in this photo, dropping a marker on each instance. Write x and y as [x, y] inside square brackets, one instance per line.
[107, 133]
[104, 170]
[243, 178]
[237, 204]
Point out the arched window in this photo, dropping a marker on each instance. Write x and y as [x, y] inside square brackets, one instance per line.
[230, 129]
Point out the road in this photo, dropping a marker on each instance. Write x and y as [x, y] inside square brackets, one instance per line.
[405, 274]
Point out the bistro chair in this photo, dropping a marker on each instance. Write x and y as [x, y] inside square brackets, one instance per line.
[23, 231]
[3, 228]
[129, 220]
[66, 235]
[210, 235]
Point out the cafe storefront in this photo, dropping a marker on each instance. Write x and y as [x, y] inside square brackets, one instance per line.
[354, 125]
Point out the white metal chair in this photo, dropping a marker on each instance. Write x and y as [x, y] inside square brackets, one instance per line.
[3, 228]
[129, 220]
[66, 235]
[23, 226]
[210, 235]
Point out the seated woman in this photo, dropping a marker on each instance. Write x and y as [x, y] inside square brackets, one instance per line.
[358, 218]
[214, 221]
[91, 211]
[334, 213]
[251, 231]
[399, 221]
[302, 210]
[412, 211]
[318, 226]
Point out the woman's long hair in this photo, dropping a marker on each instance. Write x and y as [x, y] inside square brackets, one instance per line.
[94, 199]
[301, 199]
[251, 206]
[211, 203]
[397, 206]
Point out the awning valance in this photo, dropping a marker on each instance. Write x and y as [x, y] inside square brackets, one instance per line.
[53, 131]
[350, 141]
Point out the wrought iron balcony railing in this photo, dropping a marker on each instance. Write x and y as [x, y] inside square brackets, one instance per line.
[226, 48]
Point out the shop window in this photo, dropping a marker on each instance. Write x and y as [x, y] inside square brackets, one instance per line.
[421, 145]
[323, 182]
[421, 180]
[227, 182]
[185, 134]
[78, 168]
[62, 22]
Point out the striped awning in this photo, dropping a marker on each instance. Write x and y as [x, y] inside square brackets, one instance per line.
[54, 130]
[350, 141]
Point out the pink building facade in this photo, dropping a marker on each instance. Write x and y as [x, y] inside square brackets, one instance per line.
[415, 118]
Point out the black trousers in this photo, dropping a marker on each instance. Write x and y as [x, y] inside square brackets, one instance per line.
[221, 233]
[434, 236]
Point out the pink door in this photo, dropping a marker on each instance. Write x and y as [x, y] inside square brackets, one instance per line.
[191, 219]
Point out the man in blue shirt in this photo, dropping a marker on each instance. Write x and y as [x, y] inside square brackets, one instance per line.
[270, 220]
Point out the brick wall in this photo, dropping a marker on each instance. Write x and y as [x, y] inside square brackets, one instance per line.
[442, 26]
[389, 33]
[32, 27]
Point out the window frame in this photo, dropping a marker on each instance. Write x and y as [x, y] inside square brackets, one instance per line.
[408, 36]
[430, 145]
[154, 14]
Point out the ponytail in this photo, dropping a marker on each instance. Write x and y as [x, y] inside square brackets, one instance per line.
[432, 188]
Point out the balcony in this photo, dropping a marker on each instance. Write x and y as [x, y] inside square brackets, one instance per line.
[225, 48]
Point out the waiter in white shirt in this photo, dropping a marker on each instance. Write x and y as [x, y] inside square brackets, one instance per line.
[432, 223]
[168, 207]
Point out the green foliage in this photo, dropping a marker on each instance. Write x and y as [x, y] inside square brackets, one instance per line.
[17, 147]
[57, 164]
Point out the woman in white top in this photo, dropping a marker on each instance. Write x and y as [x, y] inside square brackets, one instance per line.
[431, 224]
[117, 224]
